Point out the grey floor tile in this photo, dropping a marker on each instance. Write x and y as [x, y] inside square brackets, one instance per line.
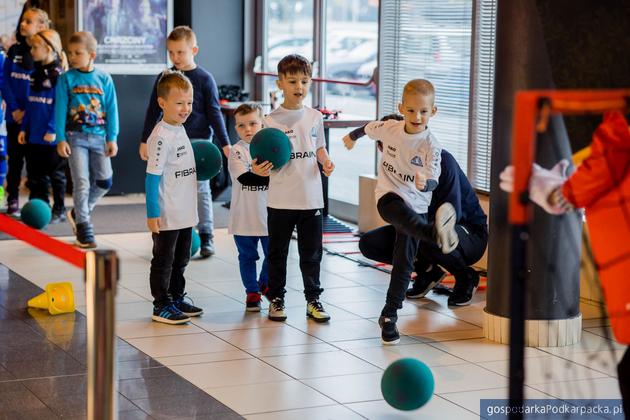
[58, 365]
[197, 405]
[5, 375]
[57, 386]
[76, 404]
[37, 414]
[15, 397]
[156, 387]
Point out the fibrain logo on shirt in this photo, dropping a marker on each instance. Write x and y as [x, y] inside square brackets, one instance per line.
[185, 172]
[302, 155]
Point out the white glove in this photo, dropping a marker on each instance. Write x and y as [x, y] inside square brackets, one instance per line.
[541, 184]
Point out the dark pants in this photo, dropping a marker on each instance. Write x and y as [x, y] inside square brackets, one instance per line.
[410, 228]
[171, 253]
[46, 167]
[17, 153]
[280, 224]
[623, 372]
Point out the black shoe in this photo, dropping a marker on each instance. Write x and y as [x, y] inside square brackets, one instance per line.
[13, 207]
[389, 332]
[466, 284]
[187, 309]
[425, 282]
[72, 218]
[207, 245]
[169, 314]
[85, 235]
[58, 216]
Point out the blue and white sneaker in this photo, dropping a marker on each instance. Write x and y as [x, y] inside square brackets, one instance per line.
[169, 314]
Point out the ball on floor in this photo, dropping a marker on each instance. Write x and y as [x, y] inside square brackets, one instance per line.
[407, 384]
[272, 145]
[208, 159]
[195, 243]
[36, 213]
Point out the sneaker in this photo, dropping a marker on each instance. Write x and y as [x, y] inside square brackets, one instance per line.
[389, 332]
[207, 245]
[276, 310]
[58, 216]
[445, 218]
[316, 311]
[169, 314]
[425, 282]
[85, 235]
[465, 287]
[187, 308]
[252, 303]
[13, 207]
[71, 216]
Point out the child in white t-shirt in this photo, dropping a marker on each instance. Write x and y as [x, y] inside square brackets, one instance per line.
[171, 199]
[295, 191]
[248, 209]
[408, 173]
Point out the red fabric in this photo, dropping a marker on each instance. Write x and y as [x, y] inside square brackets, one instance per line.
[602, 186]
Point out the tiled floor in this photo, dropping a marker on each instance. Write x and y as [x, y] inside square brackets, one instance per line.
[300, 369]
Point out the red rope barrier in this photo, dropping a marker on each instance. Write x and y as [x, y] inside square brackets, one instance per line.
[42, 241]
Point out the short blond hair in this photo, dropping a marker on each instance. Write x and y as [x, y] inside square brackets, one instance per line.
[419, 86]
[51, 39]
[172, 79]
[41, 15]
[183, 32]
[84, 38]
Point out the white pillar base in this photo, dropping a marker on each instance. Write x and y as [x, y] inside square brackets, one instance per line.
[538, 332]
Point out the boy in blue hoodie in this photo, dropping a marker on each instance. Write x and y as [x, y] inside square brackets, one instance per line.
[43, 164]
[3, 137]
[16, 70]
[86, 124]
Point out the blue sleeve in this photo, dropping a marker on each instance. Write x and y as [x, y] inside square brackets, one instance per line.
[153, 113]
[7, 93]
[152, 189]
[61, 107]
[213, 112]
[111, 110]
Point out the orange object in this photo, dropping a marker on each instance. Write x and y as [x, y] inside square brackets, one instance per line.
[601, 185]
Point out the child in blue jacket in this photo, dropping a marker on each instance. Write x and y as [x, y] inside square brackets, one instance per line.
[43, 164]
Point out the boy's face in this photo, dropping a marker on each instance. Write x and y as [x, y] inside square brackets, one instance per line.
[39, 49]
[181, 54]
[247, 125]
[30, 24]
[295, 87]
[79, 57]
[177, 106]
[417, 109]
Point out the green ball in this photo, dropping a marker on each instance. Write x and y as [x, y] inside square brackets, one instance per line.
[36, 213]
[208, 159]
[407, 384]
[272, 145]
[195, 244]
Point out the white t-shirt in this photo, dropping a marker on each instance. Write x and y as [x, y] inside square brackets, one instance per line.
[298, 184]
[171, 156]
[404, 155]
[248, 209]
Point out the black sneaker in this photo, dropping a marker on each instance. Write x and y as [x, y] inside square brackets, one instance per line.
[13, 207]
[207, 245]
[85, 235]
[252, 302]
[187, 309]
[276, 310]
[58, 216]
[389, 332]
[425, 282]
[169, 314]
[71, 216]
[465, 286]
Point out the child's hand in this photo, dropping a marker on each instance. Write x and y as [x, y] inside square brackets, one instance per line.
[226, 150]
[144, 151]
[328, 167]
[348, 142]
[50, 137]
[17, 116]
[421, 181]
[22, 137]
[63, 149]
[111, 149]
[153, 223]
[263, 169]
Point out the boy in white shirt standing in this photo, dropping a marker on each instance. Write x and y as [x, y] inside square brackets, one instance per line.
[248, 211]
[295, 190]
[171, 199]
[407, 175]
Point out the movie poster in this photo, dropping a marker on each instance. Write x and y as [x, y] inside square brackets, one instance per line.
[131, 34]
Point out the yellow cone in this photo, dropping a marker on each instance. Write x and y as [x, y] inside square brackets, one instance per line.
[58, 298]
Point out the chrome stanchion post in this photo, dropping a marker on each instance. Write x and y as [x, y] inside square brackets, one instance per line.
[101, 278]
